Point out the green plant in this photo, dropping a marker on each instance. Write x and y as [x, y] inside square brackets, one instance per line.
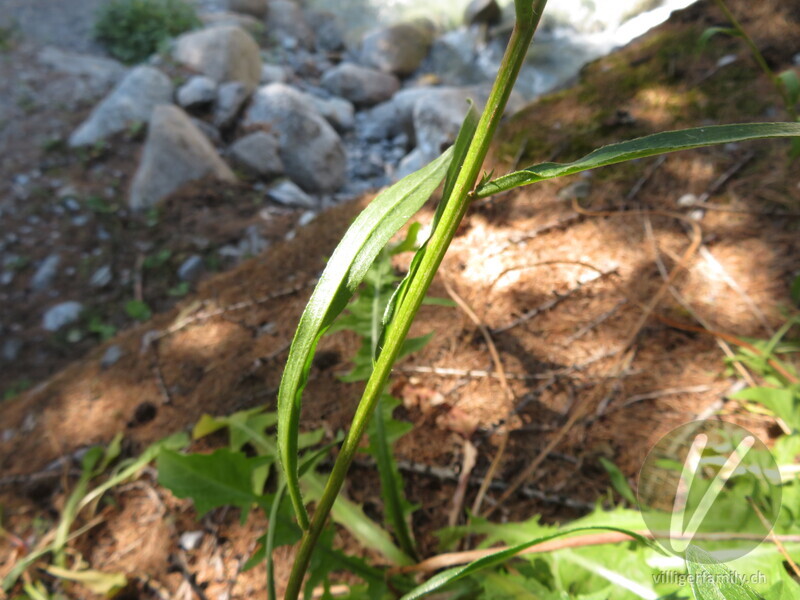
[137, 309]
[786, 83]
[459, 167]
[132, 30]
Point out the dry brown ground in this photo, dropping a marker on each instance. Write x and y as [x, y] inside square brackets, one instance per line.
[565, 353]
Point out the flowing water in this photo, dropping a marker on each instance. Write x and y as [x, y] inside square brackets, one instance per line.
[573, 32]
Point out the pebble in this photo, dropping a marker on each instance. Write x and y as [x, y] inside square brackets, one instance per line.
[289, 194]
[11, 349]
[111, 356]
[687, 200]
[101, 277]
[61, 315]
[190, 540]
[192, 268]
[46, 273]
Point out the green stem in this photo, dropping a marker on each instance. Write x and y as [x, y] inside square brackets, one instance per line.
[528, 14]
[759, 58]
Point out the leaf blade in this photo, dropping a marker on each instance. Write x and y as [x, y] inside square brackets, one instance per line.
[651, 145]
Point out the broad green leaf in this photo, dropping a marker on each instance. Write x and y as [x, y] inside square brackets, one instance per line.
[223, 478]
[107, 584]
[345, 270]
[709, 580]
[454, 574]
[619, 481]
[350, 516]
[651, 145]
[780, 401]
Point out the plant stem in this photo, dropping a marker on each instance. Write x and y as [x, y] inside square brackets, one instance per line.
[528, 14]
[759, 58]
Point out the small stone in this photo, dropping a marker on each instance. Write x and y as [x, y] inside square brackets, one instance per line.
[46, 273]
[192, 268]
[306, 218]
[111, 356]
[259, 154]
[223, 53]
[398, 49]
[687, 200]
[727, 60]
[361, 85]
[101, 277]
[199, 90]
[288, 193]
[6, 277]
[286, 23]
[190, 540]
[72, 204]
[7, 435]
[61, 315]
[337, 111]
[11, 349]
[211, 132]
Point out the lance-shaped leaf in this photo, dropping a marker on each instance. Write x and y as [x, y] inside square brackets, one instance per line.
[365, 238]
[651, 145]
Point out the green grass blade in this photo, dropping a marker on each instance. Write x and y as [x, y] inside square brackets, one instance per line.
[365, 238]
[710, 580]
[651, 145]
[451, 575]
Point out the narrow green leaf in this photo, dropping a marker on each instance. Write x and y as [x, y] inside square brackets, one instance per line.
[651, 145]
[351, 260]
[350, 516]
[712, 31]
[792, 84]
[709, 580]
[619, 481]
[451, 575]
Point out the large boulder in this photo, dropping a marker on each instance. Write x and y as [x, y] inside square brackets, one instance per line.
[130, 102]
[311, 150]
[175, 152]
[453, 57]
[250, 24]
[99, 74]
[223, 53]
[327, 31]
[286, 24]
[398, 49]
[360, 85]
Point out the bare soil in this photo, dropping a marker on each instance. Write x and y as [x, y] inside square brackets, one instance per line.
[526, 252]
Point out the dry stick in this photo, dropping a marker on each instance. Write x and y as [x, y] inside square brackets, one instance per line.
[637, 187]
[582, 407]
[595, 322]
[768, 526]
[501, 374]
[472, 373]
[453, 559]
[546, 228]
[470, 456]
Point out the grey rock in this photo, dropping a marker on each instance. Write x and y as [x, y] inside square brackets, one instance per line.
[223, 53]
[312, 153]
[230, 99]
[453, 55]
[61, 315]
[273, 74]
[192, 268]
[249, 23]
[411, 162]
[482, 11]
[175, 152]
[7, 277]
[360, 85]
[327, 30]
[101, 277]
[132, 101]
[289, 194]
[11, 349]
[687, 200]
[100, 74]
[398, 49]
[286, 24]
[46, 273]
[111, 356]
[211, 132]
[256, 8]
[337, 111]
[199, 90]
[259, 154]
[437, 120]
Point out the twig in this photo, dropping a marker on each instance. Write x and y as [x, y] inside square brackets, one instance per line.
[637, 187]
[553, 302]
[470, 456]
[166, 397]
[138, 278]
[546, 228]
[781, 548]
[472, 373]
[453, 559]
[595, 322]
[694, 389]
